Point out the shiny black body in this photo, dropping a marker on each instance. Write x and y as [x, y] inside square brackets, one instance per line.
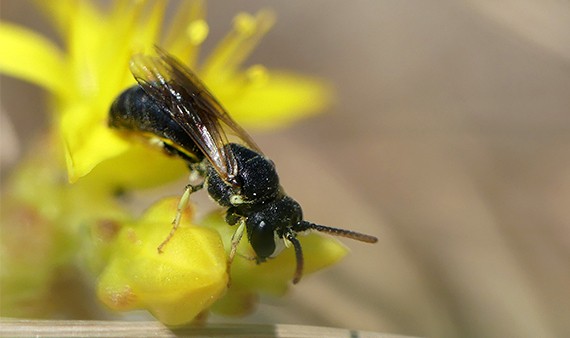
[172, 106]
[135, 111]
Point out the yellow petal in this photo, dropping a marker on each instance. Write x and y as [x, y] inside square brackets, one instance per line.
[275, 101]
[139, 167]
[176, 285]
[84, 27]
[62, 13]
[88, 141]
[99, 49]
[134, 27]
[33, 58]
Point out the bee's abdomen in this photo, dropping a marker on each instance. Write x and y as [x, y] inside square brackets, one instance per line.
[135, 112]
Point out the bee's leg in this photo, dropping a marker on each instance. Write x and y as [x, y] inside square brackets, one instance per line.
[236, 238]
[182, 204]
[233, 217]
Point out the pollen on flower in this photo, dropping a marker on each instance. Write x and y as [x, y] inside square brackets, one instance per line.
[120, 298]
[257, 75]
[197, 31]
[132, 236]
[106, 229]
[245, 23]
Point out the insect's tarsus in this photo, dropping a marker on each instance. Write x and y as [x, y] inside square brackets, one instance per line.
[182, 205]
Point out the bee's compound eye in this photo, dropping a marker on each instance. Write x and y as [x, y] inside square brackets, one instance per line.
[261, 236]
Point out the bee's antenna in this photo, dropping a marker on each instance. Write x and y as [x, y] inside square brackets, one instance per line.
[304, 225]
[299, 255]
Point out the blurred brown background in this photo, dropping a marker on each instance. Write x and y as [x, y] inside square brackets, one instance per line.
[449, 140]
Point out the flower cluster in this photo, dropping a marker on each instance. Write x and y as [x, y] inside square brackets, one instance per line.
[51, 227]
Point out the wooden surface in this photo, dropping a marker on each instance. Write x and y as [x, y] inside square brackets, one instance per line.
[84, 328]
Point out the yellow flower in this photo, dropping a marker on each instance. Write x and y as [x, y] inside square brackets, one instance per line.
[86, 77]
[191, 274]
[174, 286]
[85, 222]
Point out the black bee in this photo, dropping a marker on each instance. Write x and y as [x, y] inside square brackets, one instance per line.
[173, 108]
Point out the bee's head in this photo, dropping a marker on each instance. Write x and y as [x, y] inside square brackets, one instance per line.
[269, 225]
[276, 224]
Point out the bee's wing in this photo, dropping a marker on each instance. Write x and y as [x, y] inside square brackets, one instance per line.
[193, 107]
